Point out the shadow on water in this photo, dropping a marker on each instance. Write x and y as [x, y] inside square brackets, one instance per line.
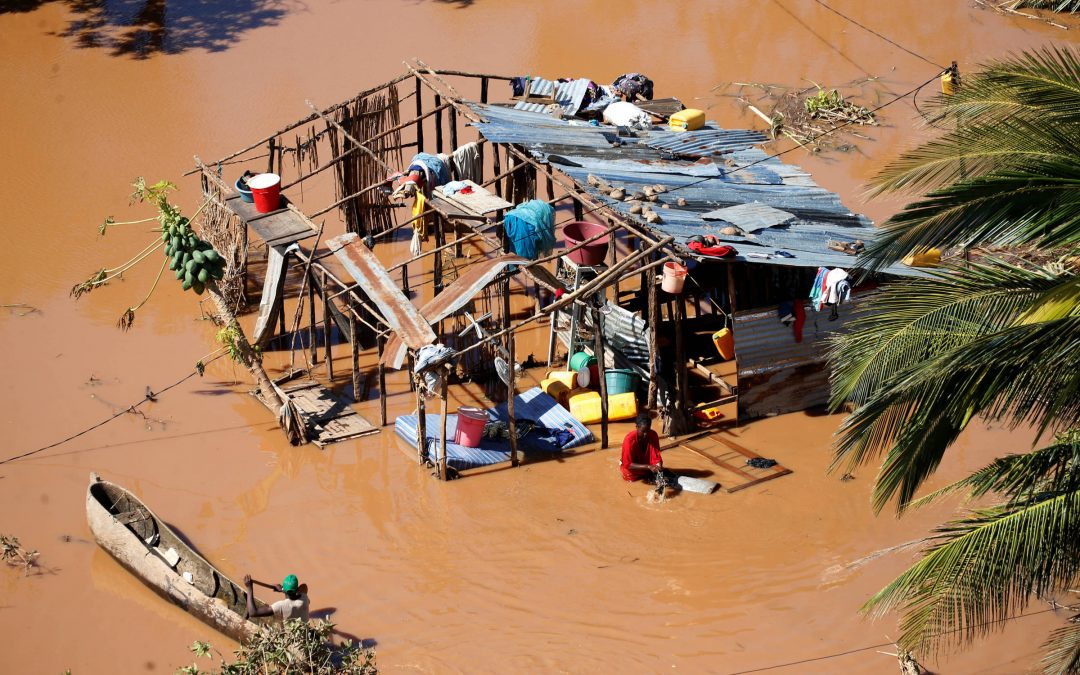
[142, 28]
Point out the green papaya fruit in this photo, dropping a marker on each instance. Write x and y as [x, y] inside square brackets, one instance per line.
[191, 266]
[191, 241]
[202, 275]
[172, 264]
[211, 255]
[164, 235]
[178, 258]
[179, 274]
[198, 257]
[186, 285]
[185, 257]
[198, 287]
[175, 242]
[188, 277]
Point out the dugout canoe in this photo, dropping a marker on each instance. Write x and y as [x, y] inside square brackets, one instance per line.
[143, 543]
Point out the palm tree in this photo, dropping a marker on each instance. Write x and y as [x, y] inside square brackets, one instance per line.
[998, 339]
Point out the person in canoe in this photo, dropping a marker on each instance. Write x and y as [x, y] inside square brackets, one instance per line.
[295, 605]
[641, 452]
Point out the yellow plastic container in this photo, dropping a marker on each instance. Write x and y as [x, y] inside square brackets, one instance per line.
[557, 390]
[585, 406]
[724, 340]
[690, 119]
[567, 377]
[928, 258]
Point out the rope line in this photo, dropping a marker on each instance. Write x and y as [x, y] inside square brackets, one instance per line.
[879, 646]
[130, 408]
[874, 32]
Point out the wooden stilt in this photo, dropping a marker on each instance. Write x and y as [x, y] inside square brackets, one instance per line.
[598, 352]
[612, 244]
[511, 388]
[483, 99]
[442, 425]
[312, 327]
[419, 113]
[438, 125]
[382, 380]
[497, 167]
[354, 343]
[678, 406]
[421, 426]
[327, 331]
[654, 333]
[437, 263]
[579, 210]
[451, 121]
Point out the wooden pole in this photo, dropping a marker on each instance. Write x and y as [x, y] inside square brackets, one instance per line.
[497, 167]
[511, 393]
[438, 125]
[654, 333]
[419, 114]
[421, 425]
[354, 344]
[327, 330]
[451, 120]
[437, 263]
[731, 289]
[312, 326]
[381, 340]
[483, 99]
[442, 425]
[598, 349]
[679, 404]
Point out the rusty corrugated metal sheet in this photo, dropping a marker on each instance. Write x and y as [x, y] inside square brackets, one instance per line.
[777, 374]
[365, 268]
[452, 298]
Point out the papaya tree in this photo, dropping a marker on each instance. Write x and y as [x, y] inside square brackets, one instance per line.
[196, 266]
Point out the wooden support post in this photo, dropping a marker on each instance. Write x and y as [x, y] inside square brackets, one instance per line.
[497, 167]
[381, 339]
[327, 331]
[731, 290]
[579, 210]
[437, 263]
[421, 425]
[312, 327]
[270, 156]
[442, 425]
[281, 320]
[405, 279]
[598, 352]
[438, 125]
[451, 120]
[483, 99]
[550, 184]
[678, 406]
[511, 393]
[419, 113]
[612, 243]
[654, 333]
[354, 344]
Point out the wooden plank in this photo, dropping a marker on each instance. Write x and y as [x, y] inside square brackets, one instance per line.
[478, 202]
[283, 226]
[743, 486]
[452, 209]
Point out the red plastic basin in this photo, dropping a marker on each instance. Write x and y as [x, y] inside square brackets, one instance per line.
[591, 254]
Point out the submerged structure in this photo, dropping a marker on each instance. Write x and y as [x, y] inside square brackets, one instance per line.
[669, 246]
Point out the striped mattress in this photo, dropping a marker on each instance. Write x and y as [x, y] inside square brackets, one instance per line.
[533, 404]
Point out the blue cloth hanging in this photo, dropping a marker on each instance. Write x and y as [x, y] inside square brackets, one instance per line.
[531, 229]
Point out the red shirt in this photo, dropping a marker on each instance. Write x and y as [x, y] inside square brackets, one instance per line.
[634, 453]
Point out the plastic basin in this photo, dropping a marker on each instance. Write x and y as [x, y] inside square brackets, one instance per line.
[621, 381]
[591, 254]
[581, 360]
[245, 194]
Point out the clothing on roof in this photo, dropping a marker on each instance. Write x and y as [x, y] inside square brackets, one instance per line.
[634, 86]
[531, 229]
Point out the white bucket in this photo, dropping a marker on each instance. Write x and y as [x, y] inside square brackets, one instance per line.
[674, 278]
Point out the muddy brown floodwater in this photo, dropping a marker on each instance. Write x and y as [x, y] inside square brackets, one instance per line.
[552, 567]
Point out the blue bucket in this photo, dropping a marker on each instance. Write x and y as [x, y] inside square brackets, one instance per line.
[245, 194]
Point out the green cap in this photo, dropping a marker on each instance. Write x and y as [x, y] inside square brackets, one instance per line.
[290, 583]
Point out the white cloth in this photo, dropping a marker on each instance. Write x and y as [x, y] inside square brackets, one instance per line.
[292, 609]
[624, 114]
[426, 356]
[832, 296]
[465, 163]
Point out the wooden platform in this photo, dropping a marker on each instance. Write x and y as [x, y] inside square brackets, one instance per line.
[328, 418]
[283, 226]
[478, 203]
[731, 458]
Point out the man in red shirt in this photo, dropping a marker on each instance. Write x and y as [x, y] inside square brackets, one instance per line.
[641, 452]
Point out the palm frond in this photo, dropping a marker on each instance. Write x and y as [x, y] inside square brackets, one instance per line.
[915, 319]
[983, 569]
[1026, 374]
[1063, 650]
[1054, 468]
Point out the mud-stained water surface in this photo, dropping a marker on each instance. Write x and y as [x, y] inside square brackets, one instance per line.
[551, 567]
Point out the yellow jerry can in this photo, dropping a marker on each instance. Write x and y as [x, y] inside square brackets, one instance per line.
[690, 119]
[928, 258]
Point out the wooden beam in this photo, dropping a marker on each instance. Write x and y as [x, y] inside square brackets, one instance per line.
[354, 344]
[598, 352]
[442, 424]
[654, 336]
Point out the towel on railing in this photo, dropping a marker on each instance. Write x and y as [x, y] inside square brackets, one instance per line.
[531, 229]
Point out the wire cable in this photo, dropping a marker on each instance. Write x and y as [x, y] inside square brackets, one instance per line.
[150, 395]
[826, 657]
[874, 32]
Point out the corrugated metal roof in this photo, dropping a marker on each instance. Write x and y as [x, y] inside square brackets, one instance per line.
[750, 217]
[567, 95]
[778, 374]
[452, 298]
[375, 282]
[706, 142]
[744, 175]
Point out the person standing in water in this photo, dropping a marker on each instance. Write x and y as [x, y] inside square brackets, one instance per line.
[641, 452]
[295, 605]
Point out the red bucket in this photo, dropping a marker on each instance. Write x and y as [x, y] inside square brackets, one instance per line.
[266, 190]
[470, 426]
